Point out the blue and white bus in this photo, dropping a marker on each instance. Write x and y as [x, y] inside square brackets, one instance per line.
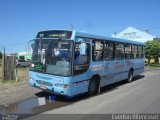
[68, 62]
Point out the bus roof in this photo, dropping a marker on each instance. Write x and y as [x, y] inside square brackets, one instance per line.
[101, 37]
[88, 35]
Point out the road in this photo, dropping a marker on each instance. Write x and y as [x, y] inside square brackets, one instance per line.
[140, 96]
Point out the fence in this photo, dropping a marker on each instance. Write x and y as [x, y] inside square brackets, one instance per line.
[8, 68]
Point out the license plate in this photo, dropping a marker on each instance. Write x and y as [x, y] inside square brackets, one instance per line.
[43, 87]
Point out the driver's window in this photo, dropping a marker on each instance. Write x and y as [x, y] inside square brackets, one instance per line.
[81, 62]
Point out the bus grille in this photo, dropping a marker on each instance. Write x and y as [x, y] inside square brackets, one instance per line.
[44, 83]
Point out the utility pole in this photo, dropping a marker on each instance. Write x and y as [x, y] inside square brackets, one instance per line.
[3, 66]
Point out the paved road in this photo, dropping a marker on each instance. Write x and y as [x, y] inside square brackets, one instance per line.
[140, 96]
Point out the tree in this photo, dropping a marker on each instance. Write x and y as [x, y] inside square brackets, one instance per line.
[153, 50]
[0, 55]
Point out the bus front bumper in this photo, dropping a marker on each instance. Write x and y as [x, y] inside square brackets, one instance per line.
[60, 89]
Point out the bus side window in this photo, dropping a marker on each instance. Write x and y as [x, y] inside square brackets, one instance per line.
[108, 50]
[119, 51]
[134, 51]
[128, 51]
[140, 51]
[97, 49]
[81, 62]
[77, 56]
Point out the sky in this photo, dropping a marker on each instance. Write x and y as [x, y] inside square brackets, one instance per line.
[20, 20]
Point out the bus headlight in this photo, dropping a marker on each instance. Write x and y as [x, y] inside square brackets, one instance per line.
[58, 85]
[31, 79]
[61, 85]
[65, 85]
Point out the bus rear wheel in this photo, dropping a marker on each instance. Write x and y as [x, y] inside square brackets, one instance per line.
[130, 76]
[93, 86]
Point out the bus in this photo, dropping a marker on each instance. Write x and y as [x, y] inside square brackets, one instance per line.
[69, 62]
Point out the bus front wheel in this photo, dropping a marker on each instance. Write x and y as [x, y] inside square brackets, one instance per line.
[130, 76]
[93, 86]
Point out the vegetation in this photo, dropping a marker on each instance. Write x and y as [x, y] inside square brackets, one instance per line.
[152, 66]
[22, 75]
[0, 55]
[9, 81]
[153, 50]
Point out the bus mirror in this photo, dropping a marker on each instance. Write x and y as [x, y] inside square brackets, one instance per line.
[83, 49]
[32, 45]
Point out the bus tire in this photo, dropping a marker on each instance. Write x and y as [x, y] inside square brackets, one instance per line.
[93, 86]
[130, 76]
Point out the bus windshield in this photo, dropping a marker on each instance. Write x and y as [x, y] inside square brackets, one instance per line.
[52, 56]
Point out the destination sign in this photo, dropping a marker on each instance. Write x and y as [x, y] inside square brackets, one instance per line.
[55, 34]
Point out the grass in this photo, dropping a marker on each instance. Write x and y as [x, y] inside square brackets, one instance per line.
[0, 62]
[22, 75]
[9, 81]
[152, 66]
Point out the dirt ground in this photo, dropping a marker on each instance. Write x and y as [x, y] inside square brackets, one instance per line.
[0, 72]
[11, 91]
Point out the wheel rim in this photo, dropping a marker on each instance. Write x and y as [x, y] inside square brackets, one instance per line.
[130, 76]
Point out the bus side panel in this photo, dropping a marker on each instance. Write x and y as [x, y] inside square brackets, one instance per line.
[138, 71]
[108, 75]
[81, 81]
[120, 70]
[139, 67]
[80, 84]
